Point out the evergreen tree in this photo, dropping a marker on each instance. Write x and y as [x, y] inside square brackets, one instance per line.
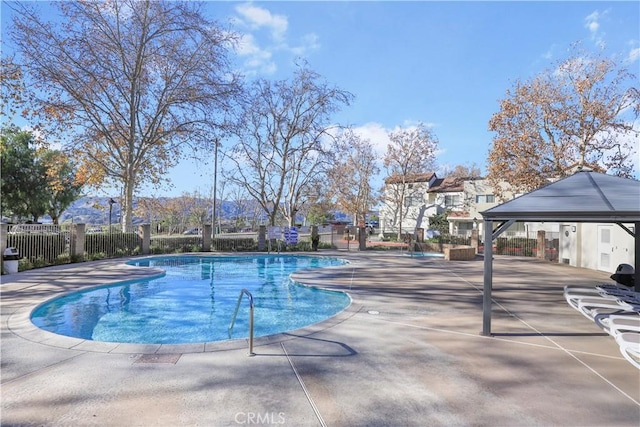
[34, 180]
[23, 181]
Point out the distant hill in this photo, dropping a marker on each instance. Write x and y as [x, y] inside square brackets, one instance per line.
[95, 211]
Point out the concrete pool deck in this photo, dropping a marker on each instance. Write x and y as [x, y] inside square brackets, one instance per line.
[407, 352]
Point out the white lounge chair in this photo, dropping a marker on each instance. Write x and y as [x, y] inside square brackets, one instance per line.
[573, 295]
[629, 343]
[604, 286]
[615, 324]
[590, 307]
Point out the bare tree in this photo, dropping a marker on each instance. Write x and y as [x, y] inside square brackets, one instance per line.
[320, 206]
[134, 82]
[151, 210]
[350, 174]
[461, 171]
[15, 98]
[197, 209]
[280, 150]
[410, 155]
[578, 113]
[241, 206]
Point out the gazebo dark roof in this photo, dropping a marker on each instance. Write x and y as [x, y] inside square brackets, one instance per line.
[581, 197]
[585, 196]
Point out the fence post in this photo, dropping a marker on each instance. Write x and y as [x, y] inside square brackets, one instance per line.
[144, 233]
[4, 231]
[262, 232]
[362, 238]
[77, 241]
[475, 239]
[315, 237]
[206, 238]
[541, 244]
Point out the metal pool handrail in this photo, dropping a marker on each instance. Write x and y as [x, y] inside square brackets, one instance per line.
[233, 320]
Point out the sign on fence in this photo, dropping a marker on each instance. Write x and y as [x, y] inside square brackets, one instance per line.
[291, 235]
[274, 233]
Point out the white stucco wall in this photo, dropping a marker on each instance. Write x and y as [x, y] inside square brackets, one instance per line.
[595, 255]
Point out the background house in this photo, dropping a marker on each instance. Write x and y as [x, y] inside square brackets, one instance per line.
[406, 206]
[588, 245]
[429, 195]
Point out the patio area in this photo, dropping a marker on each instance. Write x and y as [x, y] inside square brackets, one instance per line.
[407, 352]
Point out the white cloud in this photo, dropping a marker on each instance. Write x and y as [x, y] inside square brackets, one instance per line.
[258, 48]
[592, 23]
[633, 142]
[634, 55]
[629, 143]
[247, 45]
[377, 135]
[309, 42]
[257, 17]
[257, 59]
[412, 124]
[549, 54]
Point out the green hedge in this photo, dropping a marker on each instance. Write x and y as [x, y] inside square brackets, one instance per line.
[107, 245]
[234, 245]
[175, 244]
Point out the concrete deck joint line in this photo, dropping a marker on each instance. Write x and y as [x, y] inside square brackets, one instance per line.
[421, 360]
[304, 387]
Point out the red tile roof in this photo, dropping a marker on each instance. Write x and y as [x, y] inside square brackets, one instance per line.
[447, 185]
[416, 177]
[458, 214]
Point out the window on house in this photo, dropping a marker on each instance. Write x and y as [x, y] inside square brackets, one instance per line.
[465, 226]
[485, 198]
[451, 201]
[412, 201]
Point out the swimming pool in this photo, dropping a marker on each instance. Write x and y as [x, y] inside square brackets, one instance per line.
[195, 300]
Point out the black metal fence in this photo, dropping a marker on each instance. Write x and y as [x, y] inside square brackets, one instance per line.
[40, 245]
[526, 244]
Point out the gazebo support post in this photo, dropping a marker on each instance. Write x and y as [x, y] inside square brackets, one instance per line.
[488, 277]
[636, 231]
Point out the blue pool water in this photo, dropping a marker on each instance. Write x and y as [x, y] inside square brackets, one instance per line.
[195, 301]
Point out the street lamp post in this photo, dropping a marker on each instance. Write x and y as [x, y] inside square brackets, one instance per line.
[215, 181]
[111, 203]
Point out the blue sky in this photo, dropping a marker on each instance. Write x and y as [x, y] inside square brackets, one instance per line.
[446, 64]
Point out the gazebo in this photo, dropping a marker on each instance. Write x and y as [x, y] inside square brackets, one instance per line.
[585, 197]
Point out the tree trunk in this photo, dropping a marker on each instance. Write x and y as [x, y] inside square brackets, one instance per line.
[126, 209]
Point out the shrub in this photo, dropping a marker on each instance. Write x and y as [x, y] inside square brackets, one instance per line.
[234, 245]
[113, 244]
